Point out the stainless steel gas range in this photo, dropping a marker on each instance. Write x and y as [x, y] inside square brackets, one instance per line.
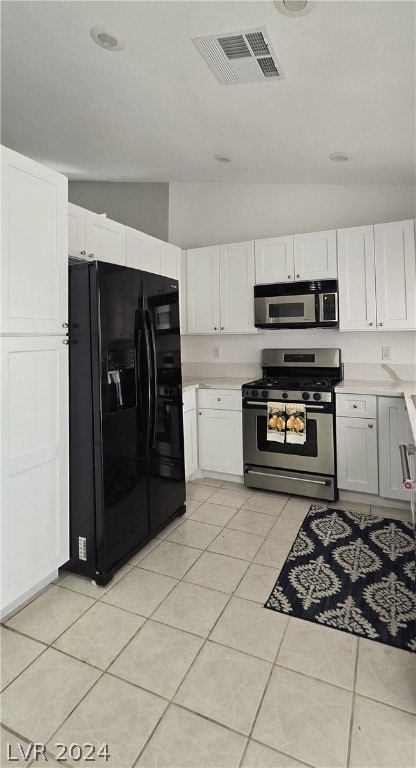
[302, 379]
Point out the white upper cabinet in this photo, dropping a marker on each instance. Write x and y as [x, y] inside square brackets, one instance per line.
[316, 256]
[106, 239]
[237, 278]
[220, 289]
[77, 231]
[134, 245]
[152, 254]
[377, 277]
[274, 260]
[171, 261]
[34, 448]
[395, 275]
[34, 258]
[297, 257]
[356, 279]
[203, 290]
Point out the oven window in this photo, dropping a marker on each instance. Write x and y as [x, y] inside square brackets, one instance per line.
[309, 448]
[287, 310]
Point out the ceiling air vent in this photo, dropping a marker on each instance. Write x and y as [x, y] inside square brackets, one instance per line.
[243, 57]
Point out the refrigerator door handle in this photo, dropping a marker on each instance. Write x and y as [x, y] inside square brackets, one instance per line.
[153, 406]
[142, 333]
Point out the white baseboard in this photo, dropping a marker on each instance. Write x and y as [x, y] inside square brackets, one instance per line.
[223, 476]
[371, 498]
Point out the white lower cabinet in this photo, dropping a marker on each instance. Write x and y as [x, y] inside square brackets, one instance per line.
[34, 464]
[220, 441]
[190, 438]
[394, 429]
[190, 433]
[357, 454]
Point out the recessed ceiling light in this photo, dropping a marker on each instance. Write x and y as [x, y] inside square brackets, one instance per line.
[106, 39]
[222, 159]
[294, 7]
[339, 157]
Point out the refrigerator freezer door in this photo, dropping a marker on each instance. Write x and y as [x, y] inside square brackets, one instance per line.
[166, 452]
[124, 404]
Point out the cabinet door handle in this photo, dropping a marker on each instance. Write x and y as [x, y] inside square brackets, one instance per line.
[215, 328]
[83, 253]
[199, 413]
[65, 325]
[222, 328]
[65, 341]
[298, 276]
[289, 277]
[371, 323]
[219, 399]
[381, 323]
[355, 405]
[90, 255]
[370, 426]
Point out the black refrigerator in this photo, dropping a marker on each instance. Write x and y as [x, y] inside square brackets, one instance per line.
[127, 477]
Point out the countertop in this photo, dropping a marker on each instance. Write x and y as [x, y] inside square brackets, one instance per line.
[224, 382]
[406, 389]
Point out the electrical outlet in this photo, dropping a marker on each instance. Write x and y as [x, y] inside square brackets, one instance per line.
[216, 352]
[386, 353]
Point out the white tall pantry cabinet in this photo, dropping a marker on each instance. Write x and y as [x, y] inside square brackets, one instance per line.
[34, 377]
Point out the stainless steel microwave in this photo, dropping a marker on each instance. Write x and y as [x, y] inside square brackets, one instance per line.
[297, 305]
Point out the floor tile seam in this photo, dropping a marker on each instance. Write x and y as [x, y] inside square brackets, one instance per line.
[150, 736]
[279, 751]
[229, 527]
[29, 602]
[200, 522]
[351, 723]
[27, 667]
[157, 606]
[205, 640]
[76, 592]
[201, 552]
[51, 645]
[313, 677]
[89, 663]
[260, 704]
[48, 738]
[245, 560]
[385, 703]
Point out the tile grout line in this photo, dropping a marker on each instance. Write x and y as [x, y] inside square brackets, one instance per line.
[95, 600]
[265, 689]
[348, 756]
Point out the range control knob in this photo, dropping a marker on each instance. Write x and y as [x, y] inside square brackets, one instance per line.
[305, 395]
[254, 392]
[317, 396]
[265, 393]
[285, 395]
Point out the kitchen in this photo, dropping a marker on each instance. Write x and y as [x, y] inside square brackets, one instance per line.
[181, 623]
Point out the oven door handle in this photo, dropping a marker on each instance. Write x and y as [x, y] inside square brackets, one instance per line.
[285, 477]
[308, 407]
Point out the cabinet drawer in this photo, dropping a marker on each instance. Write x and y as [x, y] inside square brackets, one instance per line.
[220, 399]
[189, 400]
[357, 406]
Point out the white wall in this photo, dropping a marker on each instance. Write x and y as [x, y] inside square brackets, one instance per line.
[358, 348]
[204, 214]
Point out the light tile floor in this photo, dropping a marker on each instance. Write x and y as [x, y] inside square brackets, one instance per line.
[176, 664]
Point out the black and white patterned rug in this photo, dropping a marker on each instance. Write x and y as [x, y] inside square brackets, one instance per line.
[352, 571]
